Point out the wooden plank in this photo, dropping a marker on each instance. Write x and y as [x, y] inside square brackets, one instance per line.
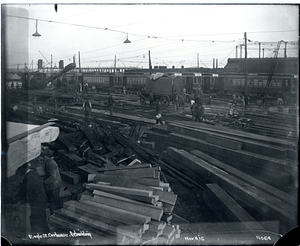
[141, 173]
[240, 190]
[225, 142]
[70, 159]
[122, 181]
[150, 233]
[184, 171]
[166, 197]
[168, 208]
[62, 139]
[65, 223]
[249, 178]
[117, 189]
[226, 208]
[168, 231]
[92, 221]
[236, 133]
[25, 134]
[116, 197]
[118, 212]
[129, 224]
[157, 225]
[268, 169]
[70, 177]
[144, 209]
[148, 144]
[136, 166]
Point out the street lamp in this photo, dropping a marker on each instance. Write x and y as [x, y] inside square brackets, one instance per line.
[127, 41]
[36, 34]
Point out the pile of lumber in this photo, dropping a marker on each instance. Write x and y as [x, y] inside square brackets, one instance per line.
[270, 160]
[128, 203]
[234, 195]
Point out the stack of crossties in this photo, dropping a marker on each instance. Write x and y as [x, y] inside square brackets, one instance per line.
[130, 204]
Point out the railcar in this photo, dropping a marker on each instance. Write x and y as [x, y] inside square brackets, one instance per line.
[257, 83]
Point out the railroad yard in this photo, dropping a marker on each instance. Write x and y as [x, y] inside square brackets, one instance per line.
[231, 179]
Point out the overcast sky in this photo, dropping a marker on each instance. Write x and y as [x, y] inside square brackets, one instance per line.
[174, 34]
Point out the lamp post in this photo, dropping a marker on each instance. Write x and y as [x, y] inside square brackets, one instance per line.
[36, 34]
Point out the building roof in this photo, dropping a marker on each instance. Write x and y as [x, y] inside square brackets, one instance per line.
[263, 65]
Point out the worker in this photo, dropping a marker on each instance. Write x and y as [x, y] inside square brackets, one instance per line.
[246, 100]
[279, 102]
[199, 112]
[193, 110]
[184, 94]
[52, 181]
[234, 98]
[111, 103]
[181, 100]
[176, 100]
[87, 107]
[151, 98]
[209, 99]
[197, 96]
[34, 106]
[158, 113]
[124, 89]
[32, 190]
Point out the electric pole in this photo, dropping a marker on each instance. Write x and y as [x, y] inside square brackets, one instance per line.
[79, 61]
[246, 65]
[150, 66]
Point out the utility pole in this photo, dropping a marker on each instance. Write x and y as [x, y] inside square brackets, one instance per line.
[150, 66]
[285, 56]
[246, 65]
[236, 51]
[259, 50]
[197, 60]
[79, 61]
[51, 65]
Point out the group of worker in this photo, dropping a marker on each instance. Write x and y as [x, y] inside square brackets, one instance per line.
[87, 106]
[40, 192]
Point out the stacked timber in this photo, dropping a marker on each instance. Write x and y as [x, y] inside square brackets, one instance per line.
[130, 203]
[270, 160]
[236, 196]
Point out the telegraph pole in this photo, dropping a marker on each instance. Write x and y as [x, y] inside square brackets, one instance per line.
[79, 61]
[246, 65]
[150, 66]
[197, 60]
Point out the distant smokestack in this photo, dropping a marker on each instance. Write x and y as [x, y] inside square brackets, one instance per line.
[213, 62]
[216, 63]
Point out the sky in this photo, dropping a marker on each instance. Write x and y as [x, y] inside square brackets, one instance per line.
[188, 35]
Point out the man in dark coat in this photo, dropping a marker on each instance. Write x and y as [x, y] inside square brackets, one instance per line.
[87, 107]
[158, 113]
[52, 181]
[151, 98]
[32, 190]
[111, 103]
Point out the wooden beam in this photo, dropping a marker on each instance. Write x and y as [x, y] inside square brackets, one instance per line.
[144, 209]
[248, 178]
[226, 208]
[118, 212]
[25, 134]
[240, 190]
[117, 189]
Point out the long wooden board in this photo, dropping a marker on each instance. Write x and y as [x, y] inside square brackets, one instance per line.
[262, 202]
[226, 208]
[152, 211]
[248, 178]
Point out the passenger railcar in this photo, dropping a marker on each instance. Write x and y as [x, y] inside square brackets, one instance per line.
[280, 84]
